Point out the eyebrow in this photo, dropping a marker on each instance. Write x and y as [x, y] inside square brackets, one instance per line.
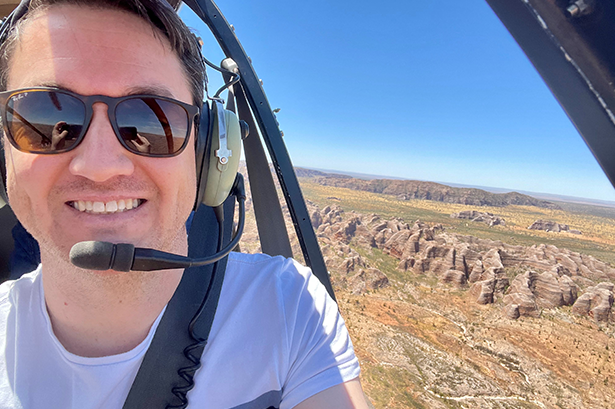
[136, 90]
[150, 90]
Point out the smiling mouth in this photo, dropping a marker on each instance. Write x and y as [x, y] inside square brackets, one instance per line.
[114, 206]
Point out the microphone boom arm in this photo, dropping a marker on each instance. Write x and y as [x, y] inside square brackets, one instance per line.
[124, 257]
[150, 259]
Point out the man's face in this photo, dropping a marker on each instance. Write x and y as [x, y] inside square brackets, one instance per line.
[113, 53]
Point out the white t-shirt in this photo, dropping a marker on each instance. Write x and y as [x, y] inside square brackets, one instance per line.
[277, 339]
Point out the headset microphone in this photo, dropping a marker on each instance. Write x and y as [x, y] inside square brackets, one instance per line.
[101, 255]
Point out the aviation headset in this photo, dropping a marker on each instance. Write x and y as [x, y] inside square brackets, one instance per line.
[218, 134]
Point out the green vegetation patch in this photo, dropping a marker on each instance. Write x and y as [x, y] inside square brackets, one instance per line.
[388, 265]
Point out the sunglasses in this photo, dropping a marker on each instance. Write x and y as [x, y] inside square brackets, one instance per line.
[50, 121]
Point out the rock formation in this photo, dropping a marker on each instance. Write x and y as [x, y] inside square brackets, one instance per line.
[477, 216]
[546, 276]
[596, 302]
[548, 225]
[531, 291]
[357, 274]
[488, 277]
[367, 279]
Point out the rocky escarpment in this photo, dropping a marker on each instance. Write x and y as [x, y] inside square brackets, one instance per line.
[414, 189]
[526, 279]
[477, 216]
[548, 225]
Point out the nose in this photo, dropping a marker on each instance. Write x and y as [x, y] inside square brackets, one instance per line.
[100, 156]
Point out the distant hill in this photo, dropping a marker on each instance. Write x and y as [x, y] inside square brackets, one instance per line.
[414, 189]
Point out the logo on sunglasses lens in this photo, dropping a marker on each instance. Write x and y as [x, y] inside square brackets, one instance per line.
[20, 96]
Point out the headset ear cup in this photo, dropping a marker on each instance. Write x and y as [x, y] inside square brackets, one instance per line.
[217, 178]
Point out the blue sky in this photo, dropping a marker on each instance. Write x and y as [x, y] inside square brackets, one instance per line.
[431, 90]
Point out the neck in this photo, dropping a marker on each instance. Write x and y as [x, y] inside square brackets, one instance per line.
[101, 313]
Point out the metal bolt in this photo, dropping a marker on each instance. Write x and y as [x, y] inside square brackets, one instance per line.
[223, 160]
[580, 8]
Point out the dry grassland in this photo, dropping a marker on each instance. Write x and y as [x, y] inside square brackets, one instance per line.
[598, 238]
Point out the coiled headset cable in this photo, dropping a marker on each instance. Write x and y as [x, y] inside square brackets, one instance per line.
[194, 351]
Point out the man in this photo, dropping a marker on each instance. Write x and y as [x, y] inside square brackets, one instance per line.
[75, 338]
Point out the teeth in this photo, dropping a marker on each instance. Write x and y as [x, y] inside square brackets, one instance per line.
[111, 207]
[106, 208]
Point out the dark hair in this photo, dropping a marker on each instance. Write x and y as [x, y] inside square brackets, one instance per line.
[158, 13]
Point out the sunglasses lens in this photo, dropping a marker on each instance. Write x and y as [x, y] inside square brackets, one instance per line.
[44, 122]
[152, 126]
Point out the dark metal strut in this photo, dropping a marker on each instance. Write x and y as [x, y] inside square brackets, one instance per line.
[209, 12]
[571, 47]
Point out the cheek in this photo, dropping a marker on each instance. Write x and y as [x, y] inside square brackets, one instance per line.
[29, 181]
[176, 180]
[188, 190]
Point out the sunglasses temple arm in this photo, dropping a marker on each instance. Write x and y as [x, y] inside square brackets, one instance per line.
[162, 118]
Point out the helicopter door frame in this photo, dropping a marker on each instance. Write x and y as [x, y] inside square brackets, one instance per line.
[211, 15]
[567, 51]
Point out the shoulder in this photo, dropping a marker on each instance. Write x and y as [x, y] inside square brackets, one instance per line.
[277, 287]
[18, 300]
[12, 291]
[259, 263]
[317, 348]
[274, 317]
[284, 276]
[285, 286]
